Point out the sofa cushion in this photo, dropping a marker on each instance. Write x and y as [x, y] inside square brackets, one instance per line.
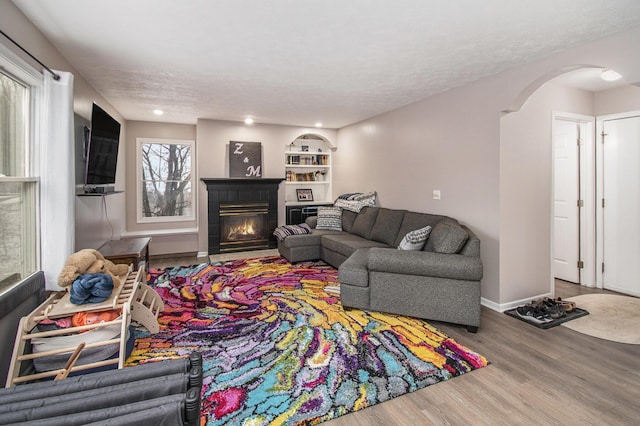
[346, 244]
[354, 271]
[303, 240]
[363, 224]
[386, 226]
[413, 221]
[446, 237]
[415, 240]
[348, 217]
[329, 218]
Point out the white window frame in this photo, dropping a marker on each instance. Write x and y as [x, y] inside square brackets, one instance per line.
[14, 66]
[194, 192]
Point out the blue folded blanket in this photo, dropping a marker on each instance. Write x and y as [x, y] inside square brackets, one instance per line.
[91, 288]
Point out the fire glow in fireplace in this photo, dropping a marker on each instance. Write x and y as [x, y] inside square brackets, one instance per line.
[243, 226]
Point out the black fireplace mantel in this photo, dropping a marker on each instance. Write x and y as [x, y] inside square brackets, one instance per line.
[230, 190]
[235, 181]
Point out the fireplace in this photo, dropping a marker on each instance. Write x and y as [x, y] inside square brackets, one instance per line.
[243, 226]
[242, 214]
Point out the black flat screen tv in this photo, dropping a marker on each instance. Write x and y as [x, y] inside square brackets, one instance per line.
[102, 149]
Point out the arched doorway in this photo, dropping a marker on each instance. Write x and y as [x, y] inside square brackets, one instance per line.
[528, 133]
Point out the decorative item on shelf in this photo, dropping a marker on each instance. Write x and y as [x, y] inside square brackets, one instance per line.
[305, 148]
[304, 194]
[302, 177]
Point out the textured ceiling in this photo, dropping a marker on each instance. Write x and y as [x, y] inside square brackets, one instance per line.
[300, 61]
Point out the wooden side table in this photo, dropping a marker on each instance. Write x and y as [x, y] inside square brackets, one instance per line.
[127, 251]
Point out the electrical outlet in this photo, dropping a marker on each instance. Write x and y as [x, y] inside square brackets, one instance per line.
[436, 194]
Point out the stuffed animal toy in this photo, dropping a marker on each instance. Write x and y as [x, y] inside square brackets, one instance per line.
[90, 261]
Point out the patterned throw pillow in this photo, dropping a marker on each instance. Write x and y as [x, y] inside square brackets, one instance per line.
[284, 231]
[357, 201]
[415, 240]
[329, 218]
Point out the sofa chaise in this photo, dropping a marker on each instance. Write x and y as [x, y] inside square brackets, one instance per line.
[440, 281]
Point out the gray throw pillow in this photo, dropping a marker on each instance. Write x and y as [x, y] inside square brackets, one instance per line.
[447, 236]
[329, 218]
[415, 240]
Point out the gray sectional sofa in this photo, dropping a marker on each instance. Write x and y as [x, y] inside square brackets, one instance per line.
[440, 282]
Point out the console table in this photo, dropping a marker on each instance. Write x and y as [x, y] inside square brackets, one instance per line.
[127, 251]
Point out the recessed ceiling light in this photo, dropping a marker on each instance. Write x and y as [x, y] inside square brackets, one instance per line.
[248, 120]
[158, 111]
[318, 124]
[610, 75]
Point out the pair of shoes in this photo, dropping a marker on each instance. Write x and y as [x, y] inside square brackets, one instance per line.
[567, 305]
[552, 307]
[533, 314]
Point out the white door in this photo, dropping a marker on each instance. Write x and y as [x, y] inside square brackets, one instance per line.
[621, 205]
[566, 192]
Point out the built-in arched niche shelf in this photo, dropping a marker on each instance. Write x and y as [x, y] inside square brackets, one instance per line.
[307, 183]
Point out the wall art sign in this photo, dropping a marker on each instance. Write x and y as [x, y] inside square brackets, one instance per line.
[245, 159]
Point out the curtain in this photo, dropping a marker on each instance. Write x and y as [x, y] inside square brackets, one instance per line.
[57, 177]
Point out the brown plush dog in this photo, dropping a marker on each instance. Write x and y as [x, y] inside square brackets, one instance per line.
[90, 261]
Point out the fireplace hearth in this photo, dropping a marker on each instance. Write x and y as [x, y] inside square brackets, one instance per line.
[242, 214]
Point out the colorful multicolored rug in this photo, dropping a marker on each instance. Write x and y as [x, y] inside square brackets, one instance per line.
[279, 349]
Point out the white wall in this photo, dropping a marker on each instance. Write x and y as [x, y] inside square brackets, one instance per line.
[405, 154]
[91, 227]
[165, 238]
[212, 143]
[452, 142]
[614, 101]
[526, 190]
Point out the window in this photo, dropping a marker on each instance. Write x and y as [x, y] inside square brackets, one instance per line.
[165, 176]
[18, 184]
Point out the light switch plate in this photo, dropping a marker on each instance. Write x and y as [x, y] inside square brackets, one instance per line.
[436, 194]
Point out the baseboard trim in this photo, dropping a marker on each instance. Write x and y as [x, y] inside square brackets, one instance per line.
[160, 232]
[501, 307]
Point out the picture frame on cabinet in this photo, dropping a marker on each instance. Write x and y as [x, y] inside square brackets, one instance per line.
[304, 194]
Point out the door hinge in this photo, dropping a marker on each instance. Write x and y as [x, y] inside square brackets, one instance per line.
[603, 267]
[580, 264]
[603, 203]
[580, 203]
[603, 134]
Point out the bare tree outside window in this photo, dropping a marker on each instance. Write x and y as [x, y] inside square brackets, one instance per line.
[166, 180]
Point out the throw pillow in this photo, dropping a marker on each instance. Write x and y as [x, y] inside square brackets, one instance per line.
[357, 202]
[415, 240]
[284, 231]
[329, 218]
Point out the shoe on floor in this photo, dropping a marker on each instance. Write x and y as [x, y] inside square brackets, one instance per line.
[549, 306]
[533, 314]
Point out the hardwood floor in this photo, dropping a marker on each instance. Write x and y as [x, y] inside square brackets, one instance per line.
[554, 376]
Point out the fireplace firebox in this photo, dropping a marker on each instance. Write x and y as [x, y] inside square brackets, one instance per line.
[242, 226]
[242, 214]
